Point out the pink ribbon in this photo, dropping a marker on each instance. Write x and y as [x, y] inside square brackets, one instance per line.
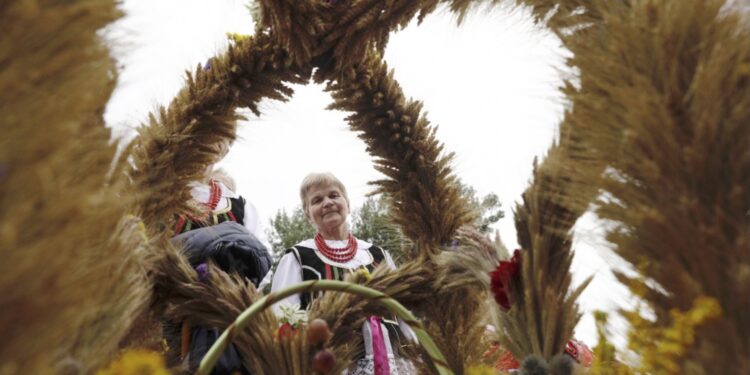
[379, 351]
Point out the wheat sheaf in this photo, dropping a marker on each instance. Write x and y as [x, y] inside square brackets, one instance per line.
[656, 138]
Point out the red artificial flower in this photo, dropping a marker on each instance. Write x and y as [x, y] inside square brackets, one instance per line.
[492, 350]
[501, 278]
[580, 352]
[507, 362]
[504, 359]
[285, 332]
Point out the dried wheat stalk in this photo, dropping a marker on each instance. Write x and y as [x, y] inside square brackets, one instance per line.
[419, 182]
[73, 271]
[182, 140]
[662, 104]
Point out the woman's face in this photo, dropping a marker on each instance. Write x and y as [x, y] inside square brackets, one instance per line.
[327, 208]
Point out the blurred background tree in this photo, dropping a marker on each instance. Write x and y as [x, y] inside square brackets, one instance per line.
[489, 207]
[287, 230]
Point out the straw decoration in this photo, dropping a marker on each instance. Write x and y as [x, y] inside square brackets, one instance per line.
[419, 181]
[182, 140]
[72, 275]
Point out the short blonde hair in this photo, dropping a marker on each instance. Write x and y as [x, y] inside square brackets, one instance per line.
[319, 179]
[223, 176]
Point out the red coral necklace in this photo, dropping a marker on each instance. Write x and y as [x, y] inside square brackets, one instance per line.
[339, 255]
[213, 201]
[214, 198]
[209, 207]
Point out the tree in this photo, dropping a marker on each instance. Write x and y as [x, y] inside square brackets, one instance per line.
[287, 230]
[489, 207]
[372, 223]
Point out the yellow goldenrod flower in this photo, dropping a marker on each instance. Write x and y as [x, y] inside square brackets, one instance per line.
[662, 348]
[364, 273]
[480, 370]
[137, 362]
[237, 37]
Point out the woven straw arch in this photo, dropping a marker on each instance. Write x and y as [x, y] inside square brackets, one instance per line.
[342, 45]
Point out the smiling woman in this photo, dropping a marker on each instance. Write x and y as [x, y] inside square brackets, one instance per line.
[333, 254]
[326, 205]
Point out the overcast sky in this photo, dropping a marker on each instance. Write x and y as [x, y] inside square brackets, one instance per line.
[490, 85]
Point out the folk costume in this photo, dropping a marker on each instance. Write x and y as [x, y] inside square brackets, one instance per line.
[318, 259]
[229, 235]
[220, 204]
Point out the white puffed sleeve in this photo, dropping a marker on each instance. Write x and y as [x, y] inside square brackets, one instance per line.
[288, 273]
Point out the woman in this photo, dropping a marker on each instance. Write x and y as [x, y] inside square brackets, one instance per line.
[331, 254]
[216, 199]
[227, 232]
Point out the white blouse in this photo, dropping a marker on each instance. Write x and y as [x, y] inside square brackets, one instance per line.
[289, 272]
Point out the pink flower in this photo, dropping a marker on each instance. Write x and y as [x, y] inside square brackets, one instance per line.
[501, 278]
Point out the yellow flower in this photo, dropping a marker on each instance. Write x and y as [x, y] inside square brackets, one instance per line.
[662, 348]
[363, 272]
[480, 370]
[237, 37]
[137, 362]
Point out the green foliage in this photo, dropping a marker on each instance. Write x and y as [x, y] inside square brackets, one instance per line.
[287, 230]
[372, 223]
[489, 207]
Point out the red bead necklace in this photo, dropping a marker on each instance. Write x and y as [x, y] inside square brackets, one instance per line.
[214, 197]
[340, 255]
[213, 201]
[209, 207]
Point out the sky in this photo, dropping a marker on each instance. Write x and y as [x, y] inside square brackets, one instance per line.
[490, 85]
